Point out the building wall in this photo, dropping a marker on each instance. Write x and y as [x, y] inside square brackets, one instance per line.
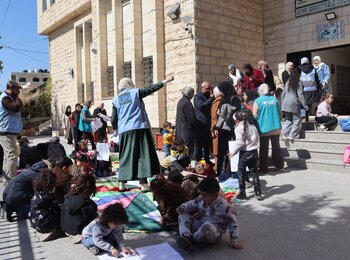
[227, 32]
[284, 33]
[180, 56]
[29, 76]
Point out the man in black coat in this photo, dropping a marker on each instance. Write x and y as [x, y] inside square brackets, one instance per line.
[202, 106]
[186, 121]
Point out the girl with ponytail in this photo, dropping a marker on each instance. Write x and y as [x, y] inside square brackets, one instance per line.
[247, 138]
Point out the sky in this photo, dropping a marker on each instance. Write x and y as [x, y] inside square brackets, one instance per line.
[22, 48]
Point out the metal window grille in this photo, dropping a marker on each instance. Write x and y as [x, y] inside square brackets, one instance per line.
[110, 81]
[127, 70]
[147, 68]
[83, 92]
[52, 2]
[124, 2]
[92, 89]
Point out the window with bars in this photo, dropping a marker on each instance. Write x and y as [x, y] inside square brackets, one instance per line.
[125, 2]
[82, 92]
[127, 70]
[92, 89]
[52, 2]
[147, 70]
[110, 81]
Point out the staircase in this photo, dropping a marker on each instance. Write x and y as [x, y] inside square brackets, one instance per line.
[322, 151]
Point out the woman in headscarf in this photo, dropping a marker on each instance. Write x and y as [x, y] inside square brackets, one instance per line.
[267, 112]
[138, 159]
[288, 70]
[85, 123]
[214, 120]
[66, 125]
[101, 134]
[74, 119]
[229, 105]
[324, 75]
[186, 121]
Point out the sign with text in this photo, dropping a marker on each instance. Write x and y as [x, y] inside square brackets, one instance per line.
[305, 7]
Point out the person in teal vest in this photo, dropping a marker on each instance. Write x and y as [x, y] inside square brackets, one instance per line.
[85, 123]
[138, 159]
[10, 127]
[266, 111]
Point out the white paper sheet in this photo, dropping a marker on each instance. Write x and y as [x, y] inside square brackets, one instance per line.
[234, 160]
[102, 151]
[159, 252]
[104, 117]
[97, 124]
[107, 256]
[155, 215]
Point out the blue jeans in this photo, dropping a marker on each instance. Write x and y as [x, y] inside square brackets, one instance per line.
[88, 242]
[166, 149]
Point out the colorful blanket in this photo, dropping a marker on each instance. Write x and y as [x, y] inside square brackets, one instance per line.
[136, 204]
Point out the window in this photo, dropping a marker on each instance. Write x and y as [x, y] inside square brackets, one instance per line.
[147, 69]
[125, 2]
[52, 2]
[44, 79]
[36, 79]
[22, 79]
[127, 70]
[92, 89]
[82, 92]
[44, 5]
[13, 77]
[110, 81]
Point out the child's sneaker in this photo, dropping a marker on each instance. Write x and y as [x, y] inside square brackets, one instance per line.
[184, 243]
[94, 250]
[323, 127]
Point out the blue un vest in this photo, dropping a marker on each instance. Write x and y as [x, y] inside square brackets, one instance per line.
[85, 126]
[131, 111]
[10, 122]
[269, 115]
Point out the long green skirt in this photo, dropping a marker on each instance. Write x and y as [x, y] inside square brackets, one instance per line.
[137, 155]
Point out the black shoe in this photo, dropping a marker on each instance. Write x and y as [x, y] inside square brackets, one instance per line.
[241, 196]
[184, 243]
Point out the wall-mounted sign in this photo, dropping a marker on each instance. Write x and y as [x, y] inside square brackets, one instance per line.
[305, 7]
[330, 31]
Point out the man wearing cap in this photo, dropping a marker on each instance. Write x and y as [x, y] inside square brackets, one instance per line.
[10, 126]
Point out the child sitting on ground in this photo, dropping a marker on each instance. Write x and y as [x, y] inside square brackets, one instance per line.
[324, 114]
[169, 196]
[206, 218]
[82, 165]
[81, 148]
[78, 209]
[106, 232]
[167, 134]
[44, 209]
[178, 159]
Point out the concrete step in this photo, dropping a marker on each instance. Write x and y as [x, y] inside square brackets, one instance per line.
[332, 155]
[329, 166]
[322, 145]
[328, 135]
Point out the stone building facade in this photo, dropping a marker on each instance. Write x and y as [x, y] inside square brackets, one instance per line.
[102, 41]
[30, 78]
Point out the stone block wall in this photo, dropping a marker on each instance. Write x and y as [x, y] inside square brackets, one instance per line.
[226, 31]
[179, 54]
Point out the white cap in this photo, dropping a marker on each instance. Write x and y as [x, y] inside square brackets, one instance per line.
[304, 60]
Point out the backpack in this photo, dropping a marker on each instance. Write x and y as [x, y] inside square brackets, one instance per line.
[346, 156]
[345, 124]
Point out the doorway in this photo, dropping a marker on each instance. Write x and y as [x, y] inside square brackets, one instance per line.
[337, 58]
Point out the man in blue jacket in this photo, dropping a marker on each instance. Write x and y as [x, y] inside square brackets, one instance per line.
[10, 126]
[202, 106]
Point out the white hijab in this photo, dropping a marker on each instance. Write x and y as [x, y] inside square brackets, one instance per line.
[235, 78]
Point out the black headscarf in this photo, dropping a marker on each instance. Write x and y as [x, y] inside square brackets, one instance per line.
[67, 112]
[228, 90]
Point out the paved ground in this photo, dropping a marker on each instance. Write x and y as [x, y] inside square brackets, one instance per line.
[305, 215]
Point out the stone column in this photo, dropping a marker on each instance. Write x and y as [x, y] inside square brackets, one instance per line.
[136, 57]
[78, 41]
[87, 53]
[159, 60]
[119, 43]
